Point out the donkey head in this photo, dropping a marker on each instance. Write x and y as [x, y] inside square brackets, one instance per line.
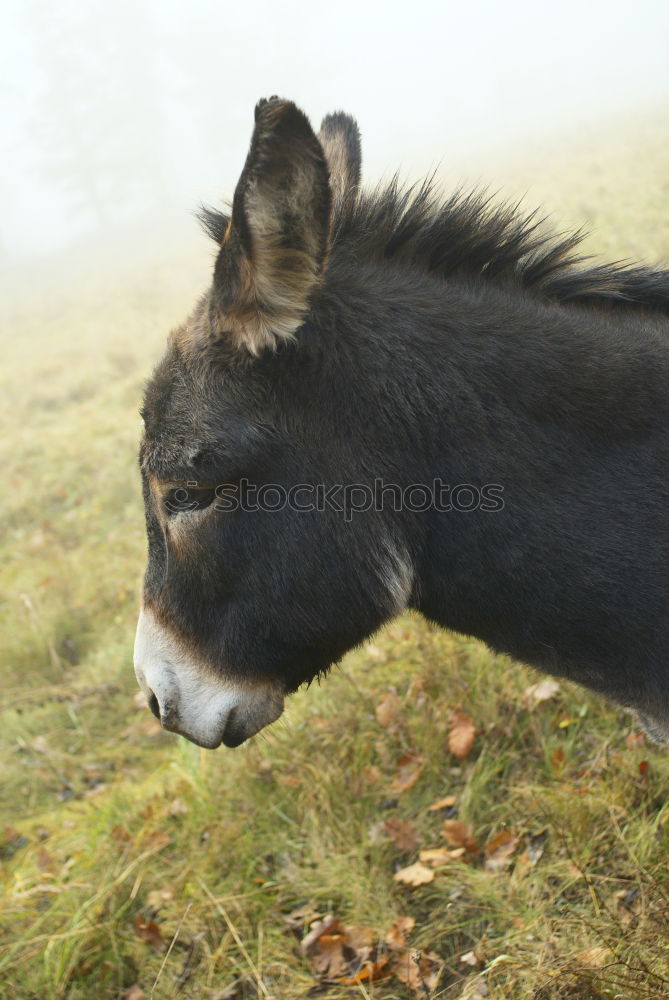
[245, 597]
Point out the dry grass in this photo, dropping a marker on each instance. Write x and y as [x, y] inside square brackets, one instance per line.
[101, 811]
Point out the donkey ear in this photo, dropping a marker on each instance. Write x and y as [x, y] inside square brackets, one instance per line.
[340, 138]
[273, 250]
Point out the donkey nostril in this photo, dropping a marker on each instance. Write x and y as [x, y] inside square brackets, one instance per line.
[154, 706]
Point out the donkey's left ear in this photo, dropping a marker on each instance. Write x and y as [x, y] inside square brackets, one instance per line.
[274, 249]
[339, 136]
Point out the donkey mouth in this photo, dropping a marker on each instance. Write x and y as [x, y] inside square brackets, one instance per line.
[234, 734]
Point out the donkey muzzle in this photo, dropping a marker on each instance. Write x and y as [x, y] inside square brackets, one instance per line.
[191, 699]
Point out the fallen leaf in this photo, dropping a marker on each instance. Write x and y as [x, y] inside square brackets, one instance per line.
[459, 834]
[342, 954]
[150, 932]
[326, 925]
[559, 759]
[361, 939]
[461, 735]
[368, 973]
[436, 856]
[329, 959]
[635, 740]
[447, 802]
[409, 767]
[414, 875]
[469, 958]
[396, 938]
[387, 709]
[542, 691]
[499, 850]
[419, 970]
[403, 834]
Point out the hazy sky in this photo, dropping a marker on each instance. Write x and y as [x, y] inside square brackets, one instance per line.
[110, 109]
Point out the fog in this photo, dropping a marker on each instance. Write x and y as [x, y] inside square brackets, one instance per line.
[114, 112]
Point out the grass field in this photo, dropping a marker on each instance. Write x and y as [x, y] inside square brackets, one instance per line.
[136, 865]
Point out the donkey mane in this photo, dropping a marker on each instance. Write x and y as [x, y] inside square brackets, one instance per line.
[469, 235]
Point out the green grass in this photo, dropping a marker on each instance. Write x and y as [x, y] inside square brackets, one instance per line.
[100, 811]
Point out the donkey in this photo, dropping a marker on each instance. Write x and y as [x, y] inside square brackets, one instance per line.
[357, 349]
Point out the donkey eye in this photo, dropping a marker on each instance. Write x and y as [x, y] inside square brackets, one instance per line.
[189, 497]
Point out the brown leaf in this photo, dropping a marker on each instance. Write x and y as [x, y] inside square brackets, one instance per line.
[418, 970]
[542, 691]
[559, 759]
[329, 959]
[328, 924]
[461, 735]
[635, 740]
[499, 850]
[447, 802]
[459, 834]
[409, 767]
[403, 834]
[368, 973]
[416, 874]
[396, 938]
[150, 932]
[387, 709]
[361, 939]
[436, 856]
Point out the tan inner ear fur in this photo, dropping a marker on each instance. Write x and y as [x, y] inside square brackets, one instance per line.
[276, 285]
